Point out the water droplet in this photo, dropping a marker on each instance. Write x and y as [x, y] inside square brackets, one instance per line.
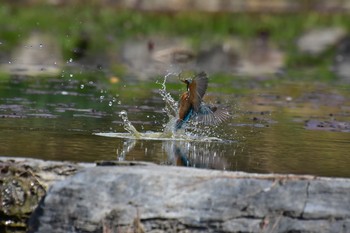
[123, 113]
[71, 75]
[102, 97]
[9, 62]
[40, 45]
[119, 102]
[71, 60]
[110, 103]
[64, 93]
[8, 222]
[82, 86]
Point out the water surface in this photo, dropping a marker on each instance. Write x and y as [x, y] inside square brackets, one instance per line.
[58, 119]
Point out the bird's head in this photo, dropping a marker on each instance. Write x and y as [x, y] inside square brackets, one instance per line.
[187, 81]
[186, 77]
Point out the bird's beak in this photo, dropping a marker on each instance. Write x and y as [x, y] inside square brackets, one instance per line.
[181, 78]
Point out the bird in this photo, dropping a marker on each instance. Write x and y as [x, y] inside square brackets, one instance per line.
[191, 105]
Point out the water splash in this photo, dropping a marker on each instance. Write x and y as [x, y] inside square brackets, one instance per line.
[192, 132]
[128, 145]
[128, 126]
[171, 105]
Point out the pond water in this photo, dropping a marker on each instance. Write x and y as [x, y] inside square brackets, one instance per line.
[277, 126]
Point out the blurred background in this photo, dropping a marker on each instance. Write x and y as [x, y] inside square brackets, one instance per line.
[281, 67]
[141, 39]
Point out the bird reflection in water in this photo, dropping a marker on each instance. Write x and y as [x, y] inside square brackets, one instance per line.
[183, 153]
[196, 154]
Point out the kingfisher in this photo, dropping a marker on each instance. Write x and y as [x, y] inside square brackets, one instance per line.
[191, 105]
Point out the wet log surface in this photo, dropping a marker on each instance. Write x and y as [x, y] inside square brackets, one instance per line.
[175, 199]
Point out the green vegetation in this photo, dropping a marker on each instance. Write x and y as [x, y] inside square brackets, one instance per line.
[107, 27]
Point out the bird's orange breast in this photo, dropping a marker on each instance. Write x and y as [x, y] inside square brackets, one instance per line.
[185, 105]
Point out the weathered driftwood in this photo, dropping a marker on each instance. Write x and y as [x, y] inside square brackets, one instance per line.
[174, 199]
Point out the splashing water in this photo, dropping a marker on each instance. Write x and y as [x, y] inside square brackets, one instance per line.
[128, 126]
[192, 132]
[171, 105]
[128, 145]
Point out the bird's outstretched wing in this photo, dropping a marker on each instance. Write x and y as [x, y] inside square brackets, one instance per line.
[201, 83]
[197, 88]
[210, 115]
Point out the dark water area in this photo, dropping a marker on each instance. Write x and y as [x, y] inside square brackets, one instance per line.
[270, 131]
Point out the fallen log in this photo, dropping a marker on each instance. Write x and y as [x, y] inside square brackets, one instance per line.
[175, 199]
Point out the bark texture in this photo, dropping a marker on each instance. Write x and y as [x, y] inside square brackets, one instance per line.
[175, 199]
